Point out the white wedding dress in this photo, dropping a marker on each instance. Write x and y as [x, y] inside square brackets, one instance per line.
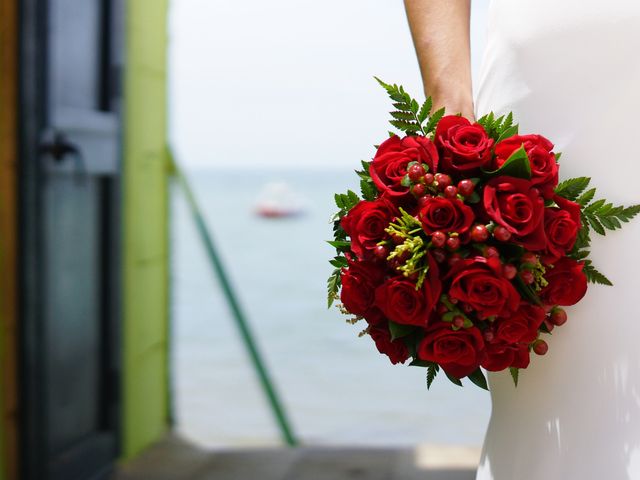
[570, 70]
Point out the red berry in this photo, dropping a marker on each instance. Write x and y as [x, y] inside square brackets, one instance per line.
[479, 233]
[415, 171]
[501, 234]
[467, 308]
[439, 255]
[540, 347]
[442, 309]
[418, 189]
[458, 321]
[453, 259]
[558, 316]
[491, 252]
[381, 252]
[453, 243]
[428, 178]
[438, 239]
[488, 336]
[451, 192]
[509, 271]
[465, 187]
[527, 276]
[443, 180]
[529, 258]
[397, 239]
[422, 201]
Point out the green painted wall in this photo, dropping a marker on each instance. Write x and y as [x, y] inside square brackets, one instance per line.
[146, 248]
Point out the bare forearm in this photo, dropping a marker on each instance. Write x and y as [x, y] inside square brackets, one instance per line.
[440, 31]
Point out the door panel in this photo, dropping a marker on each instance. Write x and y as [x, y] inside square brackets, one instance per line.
[72, 308]
[71, 233]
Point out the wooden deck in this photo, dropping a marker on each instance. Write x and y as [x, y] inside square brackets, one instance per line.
[176, 459]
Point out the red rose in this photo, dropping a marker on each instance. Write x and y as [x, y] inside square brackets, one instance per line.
[567, 283]
[446, 215]
[500, 355]
[463, 146]
[396, 350]
[562, 225]
[389, 165]
[517, 206]
[374, 316]
[366, 223]
[458, 352]
[522, 326]
[478, 282]
[359, 283]
[402, 303]
[544, 168]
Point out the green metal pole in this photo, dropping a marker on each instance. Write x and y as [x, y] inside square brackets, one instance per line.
[238, 315]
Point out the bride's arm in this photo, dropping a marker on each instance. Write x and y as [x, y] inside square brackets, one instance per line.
[440, 31]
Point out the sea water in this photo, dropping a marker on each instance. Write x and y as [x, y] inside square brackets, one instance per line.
[336, 387]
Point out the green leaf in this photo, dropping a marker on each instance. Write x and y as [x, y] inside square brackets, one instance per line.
[586, 197]
[594, 276]
[432, 371]
[425, 110]
[339, 243]
[333, 285]
[595, 224]
[454, 380]
[399, 115]
[473, 198]
[517, 165]
[339, 262]
[419, 363]
[478, 378]
[433, 120]
[515, 372]
[508, 132]
[404, 126]
[526, 291]
[368, 189]
[398, 330]
[571, 188]
[406, 181]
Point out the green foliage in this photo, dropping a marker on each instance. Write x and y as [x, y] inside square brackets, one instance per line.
[478, 378]
[367, 188]
[517, 165]
[572, 187]
[499, 128]
[593, 275]
[432, 371]
[398, 330]
[454, 380]
[409, 116]
[515, 373]
[333, 285]
[597, 215]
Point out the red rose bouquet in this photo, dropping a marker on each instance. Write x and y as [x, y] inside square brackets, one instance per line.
[464, 246]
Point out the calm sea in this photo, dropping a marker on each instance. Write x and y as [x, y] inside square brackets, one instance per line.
[336, 387]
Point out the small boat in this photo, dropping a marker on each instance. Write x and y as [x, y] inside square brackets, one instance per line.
[278, 200]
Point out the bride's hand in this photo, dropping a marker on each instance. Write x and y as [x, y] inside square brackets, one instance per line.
[454, 104]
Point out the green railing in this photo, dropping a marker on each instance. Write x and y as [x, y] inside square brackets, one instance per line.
[238, 315]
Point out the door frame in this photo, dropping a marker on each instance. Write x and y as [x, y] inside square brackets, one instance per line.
[32, 119]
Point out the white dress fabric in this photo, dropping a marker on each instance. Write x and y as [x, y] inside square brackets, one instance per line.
[570, 70]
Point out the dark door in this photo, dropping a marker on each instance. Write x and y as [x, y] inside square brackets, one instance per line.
[71, 203]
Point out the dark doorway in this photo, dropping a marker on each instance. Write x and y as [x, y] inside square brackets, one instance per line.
[70, 58]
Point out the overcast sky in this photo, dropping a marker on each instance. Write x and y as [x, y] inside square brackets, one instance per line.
[288, 82]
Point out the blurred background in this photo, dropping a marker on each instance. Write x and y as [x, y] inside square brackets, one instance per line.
[114, 327]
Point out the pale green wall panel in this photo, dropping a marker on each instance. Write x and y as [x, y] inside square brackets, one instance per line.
[145, 211]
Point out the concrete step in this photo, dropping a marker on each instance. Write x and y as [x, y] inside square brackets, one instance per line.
[176, 459]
